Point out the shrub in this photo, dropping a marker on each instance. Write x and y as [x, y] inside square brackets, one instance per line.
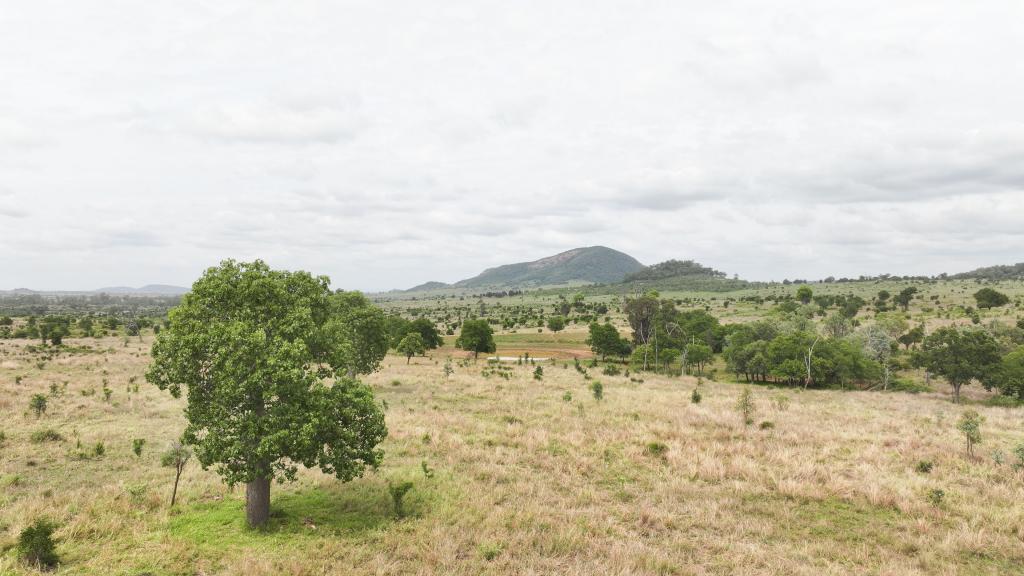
[781, 402]
[1018, 451]
[970, 425]
[99, 449]
[38, 404]
[936, 496]
[398, 492]
[538, 373]
[489, 551]
[597, 389]
[745, 406]
[567, 397]
[427, 470]
[36, 546]
[176, 456]
[137, 445]
[767, 425]
[657, 449]
[924, 466]
[611, 370]
[46, 435]
[695, 396]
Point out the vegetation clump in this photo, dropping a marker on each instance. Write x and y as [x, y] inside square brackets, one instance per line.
[36, 546]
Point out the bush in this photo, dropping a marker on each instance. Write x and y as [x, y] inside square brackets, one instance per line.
[538, 373]
[99, 449]
[695, 396]
[611, 370]
[745, 406]
[970, 425]
[767, 425]
[46, 435]
[38, 404]
[567, 397]
[936, 496]
[657, 449]
[36, 546]
[490, 551]
[137, 445]
[597, 389]
[398, 492]
[924, 467]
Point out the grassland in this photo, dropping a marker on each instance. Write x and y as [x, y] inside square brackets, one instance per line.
[526, 477]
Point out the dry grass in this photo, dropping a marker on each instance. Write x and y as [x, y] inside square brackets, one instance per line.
[525, 482]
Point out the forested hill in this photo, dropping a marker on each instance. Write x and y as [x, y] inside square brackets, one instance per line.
[1003, 272]
[683, 275]
[590, 265]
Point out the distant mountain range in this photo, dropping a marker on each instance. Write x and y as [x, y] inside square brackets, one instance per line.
[147, 290]
[161, 289]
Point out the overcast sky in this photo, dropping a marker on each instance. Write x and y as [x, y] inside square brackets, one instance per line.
[389, 143]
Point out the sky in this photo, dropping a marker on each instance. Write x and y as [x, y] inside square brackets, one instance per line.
[387, 143]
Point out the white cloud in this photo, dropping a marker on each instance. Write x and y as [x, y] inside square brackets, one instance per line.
[389, 143]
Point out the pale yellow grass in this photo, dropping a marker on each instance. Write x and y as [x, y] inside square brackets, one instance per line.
[528, 483]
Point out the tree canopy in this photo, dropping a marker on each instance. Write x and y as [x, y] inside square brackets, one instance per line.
[256, 350]
[959, 356]
[990, 298]
[476, 337]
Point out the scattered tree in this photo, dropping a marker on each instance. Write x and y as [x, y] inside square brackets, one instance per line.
[411, 345]
[804, 294]
[476, 337]
[959, 356]
[556, 323]
[38, 404]
[990, 298]
[259, 345]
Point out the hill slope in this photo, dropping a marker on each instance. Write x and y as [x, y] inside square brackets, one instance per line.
[590, 265]
[156, 289]
[1004, 272]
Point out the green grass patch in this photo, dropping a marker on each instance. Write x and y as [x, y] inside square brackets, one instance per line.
[349, 510]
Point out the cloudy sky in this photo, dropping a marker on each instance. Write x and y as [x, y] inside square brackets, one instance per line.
[389, 143]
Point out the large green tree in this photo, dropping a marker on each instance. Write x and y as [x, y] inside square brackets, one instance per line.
[960, 356]
[476, 336]
[1010, 375]
[605, 341]
[989, 298]
[264, 356]
[428, 332]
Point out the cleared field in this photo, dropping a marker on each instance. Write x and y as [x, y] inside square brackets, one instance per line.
[526, 477]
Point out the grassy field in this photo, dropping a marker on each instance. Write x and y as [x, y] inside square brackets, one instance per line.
[525, 477]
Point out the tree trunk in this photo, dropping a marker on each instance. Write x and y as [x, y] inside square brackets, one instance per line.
[257, 502]
[956, 393]
[174, 493]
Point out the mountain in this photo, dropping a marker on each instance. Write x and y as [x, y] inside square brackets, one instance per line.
[153, 289]
[429, 286]
[590, 265]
